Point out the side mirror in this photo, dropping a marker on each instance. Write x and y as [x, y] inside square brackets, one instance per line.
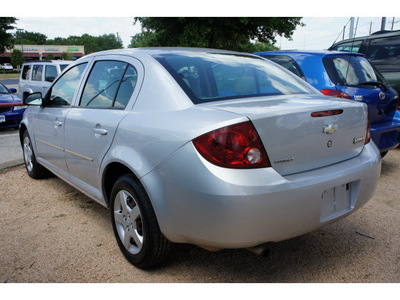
[34, 99]
[13, 91]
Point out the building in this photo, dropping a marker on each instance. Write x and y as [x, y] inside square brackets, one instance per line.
[35, 52]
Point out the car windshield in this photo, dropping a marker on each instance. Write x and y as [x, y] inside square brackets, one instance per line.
[3, 89]
[351, 70]
[207, 77]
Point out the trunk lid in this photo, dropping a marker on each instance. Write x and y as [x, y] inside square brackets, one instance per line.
[294, 140]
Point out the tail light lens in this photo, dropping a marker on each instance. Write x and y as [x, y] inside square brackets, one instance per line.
[335, 93]
[237, 147]
[368, 134]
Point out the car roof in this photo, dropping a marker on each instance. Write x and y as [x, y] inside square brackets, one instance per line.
[49, 62]
[375, 35]
[165, 50]
[321, 53]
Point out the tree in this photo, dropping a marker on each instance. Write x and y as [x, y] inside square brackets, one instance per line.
[17, 57]
[30, 38]
[50, 56]
[225, 33]
[66, 56]
[6, 39]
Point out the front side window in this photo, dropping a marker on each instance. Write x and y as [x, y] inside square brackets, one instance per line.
[110, 84]
[26, 72]
[286, 62]
[211, 77]
[63, 91]
[351, 70]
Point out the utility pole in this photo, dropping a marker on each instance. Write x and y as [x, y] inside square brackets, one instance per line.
[22, 45]
[383, 23]
[344, 30]
[351, 32]
[392, 23]
[370, 28]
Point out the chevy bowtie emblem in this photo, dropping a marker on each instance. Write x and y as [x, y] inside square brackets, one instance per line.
[329, 129]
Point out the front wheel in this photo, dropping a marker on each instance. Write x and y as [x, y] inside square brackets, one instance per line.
[135, 225]
[33, 168]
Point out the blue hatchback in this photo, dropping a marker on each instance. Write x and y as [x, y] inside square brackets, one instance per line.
[11, 108]
[349, 76]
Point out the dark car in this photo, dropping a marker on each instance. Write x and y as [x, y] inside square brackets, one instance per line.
[11, 108]
[350, 76]
[382, 48]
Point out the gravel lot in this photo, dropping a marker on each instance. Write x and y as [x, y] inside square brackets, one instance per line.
[52, 233]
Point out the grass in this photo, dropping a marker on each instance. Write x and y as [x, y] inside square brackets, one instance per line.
[9, 75]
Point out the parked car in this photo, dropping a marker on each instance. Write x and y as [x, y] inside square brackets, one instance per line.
[11, 108]
[7, 66]
[208, 147]
[382, 48]
[331, 73]
[36, 76]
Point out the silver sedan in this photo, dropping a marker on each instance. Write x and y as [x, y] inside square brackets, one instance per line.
[213, 148]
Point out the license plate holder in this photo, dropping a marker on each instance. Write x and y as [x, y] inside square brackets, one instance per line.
[336, 201]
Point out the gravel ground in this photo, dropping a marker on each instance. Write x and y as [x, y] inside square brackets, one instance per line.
[52, 233]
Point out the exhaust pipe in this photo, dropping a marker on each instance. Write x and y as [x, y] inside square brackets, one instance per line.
[261, 250]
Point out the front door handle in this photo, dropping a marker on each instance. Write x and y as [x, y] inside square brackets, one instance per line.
[100, 131]
[58, 123]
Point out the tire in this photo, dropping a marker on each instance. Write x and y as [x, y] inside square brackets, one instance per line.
[135, 225]
[33, 168]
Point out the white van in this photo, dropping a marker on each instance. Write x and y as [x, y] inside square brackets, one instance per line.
[36, 76]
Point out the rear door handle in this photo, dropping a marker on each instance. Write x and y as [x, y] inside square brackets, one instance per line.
[58, 123]
[100, 131]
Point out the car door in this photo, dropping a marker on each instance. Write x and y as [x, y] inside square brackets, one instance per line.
[90, 125]
[49, 120]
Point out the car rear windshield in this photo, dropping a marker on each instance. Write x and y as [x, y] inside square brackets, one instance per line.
[207, 77]
[351, 70]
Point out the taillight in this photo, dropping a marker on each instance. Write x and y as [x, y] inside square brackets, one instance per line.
[397, 103]
[237, 146]
[368, 134]
[335, 93]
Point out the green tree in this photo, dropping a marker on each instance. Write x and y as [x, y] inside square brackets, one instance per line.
[30, 38]
[226, 33]
[49, 57]
[6, 39]
[17, 57]
[66, 56]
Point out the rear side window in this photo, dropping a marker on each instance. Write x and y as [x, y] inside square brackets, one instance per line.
[26, 72]
[385, 49]
[50, 73]
[351, 70]
[62, 67]
[209, 77]
[348, 47]
[110, 84]
[37, 72]
[286, 62]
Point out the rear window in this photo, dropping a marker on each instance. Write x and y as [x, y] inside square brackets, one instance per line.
[351, 70]
[207, 77]
[352, 46]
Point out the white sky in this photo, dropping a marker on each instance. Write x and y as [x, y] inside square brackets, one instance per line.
[324, 20]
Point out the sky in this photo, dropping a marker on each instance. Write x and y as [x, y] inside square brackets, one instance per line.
[322, 26]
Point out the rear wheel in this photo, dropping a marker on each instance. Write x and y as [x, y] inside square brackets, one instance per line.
[135, 225]
[33, 168]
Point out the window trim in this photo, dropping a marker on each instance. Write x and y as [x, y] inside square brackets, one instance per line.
[78, 105]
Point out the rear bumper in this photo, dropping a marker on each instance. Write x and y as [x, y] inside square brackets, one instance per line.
[386, 135]
[199, 203]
